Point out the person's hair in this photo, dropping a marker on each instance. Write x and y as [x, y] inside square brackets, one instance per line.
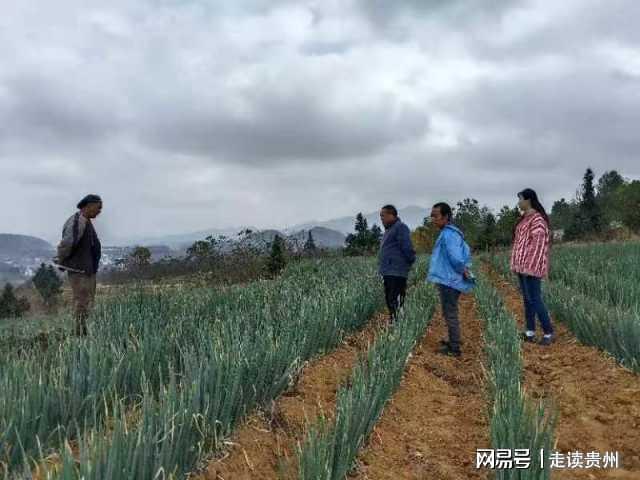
[91, 198]
[532, 196]
[390, 208]
[445, 209]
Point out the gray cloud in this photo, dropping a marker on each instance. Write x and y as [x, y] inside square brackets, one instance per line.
[462, 10]
[299, 124]
[40, 109]
[582, 115]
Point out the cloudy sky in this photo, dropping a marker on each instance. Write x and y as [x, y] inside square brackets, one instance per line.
[189, 114]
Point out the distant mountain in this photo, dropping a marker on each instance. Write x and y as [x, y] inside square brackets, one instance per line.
[323, 237]
[412, 215]
[20, 255]
[180, 241]
[328, 235]
[12, 246]
[265, 236]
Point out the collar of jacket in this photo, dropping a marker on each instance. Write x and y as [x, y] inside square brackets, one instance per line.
[389, 229]
[451, 226]
[392, 225]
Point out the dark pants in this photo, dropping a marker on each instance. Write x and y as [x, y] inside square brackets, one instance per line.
[533, 304]
[395, 289]
[449, 299]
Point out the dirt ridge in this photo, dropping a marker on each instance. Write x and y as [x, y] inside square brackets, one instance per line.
[597, 399]
[437, 419]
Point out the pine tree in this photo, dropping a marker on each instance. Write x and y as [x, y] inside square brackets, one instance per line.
[361, 224]
[276, 261]
[48, 285]
[10, 305]
[588, 205]
[310, 244]
[588, 217]
[364, 241]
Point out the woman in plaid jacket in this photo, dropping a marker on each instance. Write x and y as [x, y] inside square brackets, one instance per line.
[530, 261]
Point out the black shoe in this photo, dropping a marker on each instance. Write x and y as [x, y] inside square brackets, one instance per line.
[546, 341]
[527, 338]
[450, 352]
[444, 343]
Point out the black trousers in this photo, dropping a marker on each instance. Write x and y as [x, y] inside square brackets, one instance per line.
[395, 290]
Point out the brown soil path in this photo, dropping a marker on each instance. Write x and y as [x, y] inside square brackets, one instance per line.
[264, 446]
[438, 418]
[598, 401]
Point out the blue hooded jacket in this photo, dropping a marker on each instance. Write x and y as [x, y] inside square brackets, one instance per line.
[396, 254]
[451, 255]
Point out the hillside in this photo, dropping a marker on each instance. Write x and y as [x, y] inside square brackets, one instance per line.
[180, 241]
[20, 255]
[322, 236]
[330, 232]
[12, 246]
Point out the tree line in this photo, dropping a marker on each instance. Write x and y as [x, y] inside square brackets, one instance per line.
[599, 208]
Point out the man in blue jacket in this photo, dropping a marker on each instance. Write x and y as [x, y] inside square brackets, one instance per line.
[395, 258]
[449, 270]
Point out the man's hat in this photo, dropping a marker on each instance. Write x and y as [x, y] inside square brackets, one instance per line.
[89, 199]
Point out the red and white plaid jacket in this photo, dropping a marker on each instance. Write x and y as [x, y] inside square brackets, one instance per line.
[530, 253]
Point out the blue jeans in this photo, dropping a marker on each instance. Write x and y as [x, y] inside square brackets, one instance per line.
[533, 303]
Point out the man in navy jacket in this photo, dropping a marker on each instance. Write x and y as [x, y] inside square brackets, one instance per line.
[395, 258]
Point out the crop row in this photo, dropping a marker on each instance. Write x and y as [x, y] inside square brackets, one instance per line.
[516, 421]
[330, 449]
[164, 376]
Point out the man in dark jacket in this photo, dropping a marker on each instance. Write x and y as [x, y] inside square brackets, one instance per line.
[395, 258]
[79, 254]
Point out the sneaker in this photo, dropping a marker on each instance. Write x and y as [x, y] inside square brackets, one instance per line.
[447, 350]
[527, 338]
[546, 341]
